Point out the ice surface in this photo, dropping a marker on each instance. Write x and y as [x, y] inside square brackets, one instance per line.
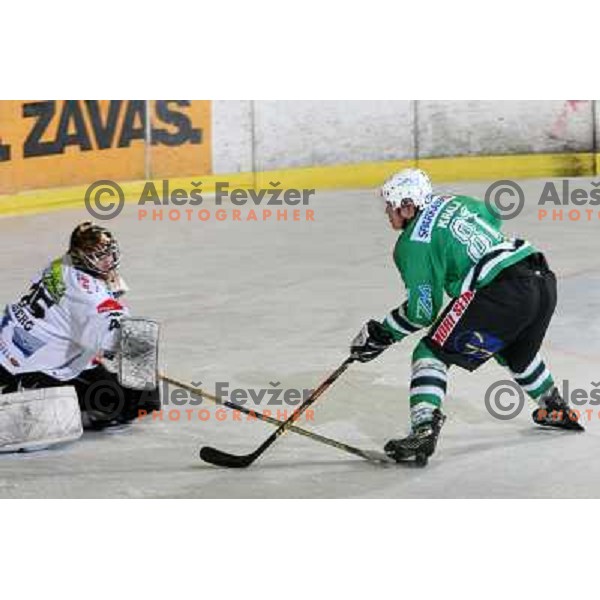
[251, 303]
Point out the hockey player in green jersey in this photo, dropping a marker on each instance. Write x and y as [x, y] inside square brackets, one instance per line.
[502, 298]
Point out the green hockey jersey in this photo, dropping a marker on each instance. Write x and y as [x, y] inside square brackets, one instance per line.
[452, 246]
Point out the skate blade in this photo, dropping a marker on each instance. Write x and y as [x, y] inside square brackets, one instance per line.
[567, 426]
[421, 460]
[112, 429]
[414, 460]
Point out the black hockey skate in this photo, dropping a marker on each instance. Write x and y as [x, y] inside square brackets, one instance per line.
[420, 444]
[93, 420]
[555, 412]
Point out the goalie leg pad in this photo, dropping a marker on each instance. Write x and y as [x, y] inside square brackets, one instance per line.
[40, 418]
[138, 369]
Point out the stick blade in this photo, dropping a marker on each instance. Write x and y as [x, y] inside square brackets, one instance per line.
[224, 459]
[378, 457]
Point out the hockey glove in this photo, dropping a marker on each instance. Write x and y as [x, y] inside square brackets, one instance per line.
[372, 340]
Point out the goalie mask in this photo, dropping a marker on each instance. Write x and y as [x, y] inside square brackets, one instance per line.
[94, 249]
[410, 184]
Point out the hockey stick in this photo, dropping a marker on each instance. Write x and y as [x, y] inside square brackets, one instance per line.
[370, 455]
[224, 459]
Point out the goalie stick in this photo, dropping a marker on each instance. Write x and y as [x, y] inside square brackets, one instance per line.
[370, 455]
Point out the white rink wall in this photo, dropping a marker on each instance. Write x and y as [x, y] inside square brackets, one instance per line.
[268, 135]
[299, 133]
[504, 127]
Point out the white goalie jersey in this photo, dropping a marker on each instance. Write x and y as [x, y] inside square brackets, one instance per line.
[58, 328]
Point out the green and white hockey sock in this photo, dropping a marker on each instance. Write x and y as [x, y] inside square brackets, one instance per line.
[427, 386]
[536, 380]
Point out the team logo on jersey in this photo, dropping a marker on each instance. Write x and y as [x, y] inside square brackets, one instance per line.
[424, 225]
[478, 345]
[449, 322]
[53, 281]
[425, 302]
[109, 305]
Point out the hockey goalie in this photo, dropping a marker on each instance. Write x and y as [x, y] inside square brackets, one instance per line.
[71, 357]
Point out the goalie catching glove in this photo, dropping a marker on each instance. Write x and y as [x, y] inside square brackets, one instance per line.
[371, 341]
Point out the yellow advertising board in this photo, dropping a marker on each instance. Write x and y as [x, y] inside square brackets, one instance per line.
[53, 143]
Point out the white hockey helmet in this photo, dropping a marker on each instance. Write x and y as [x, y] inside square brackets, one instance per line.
[409, 184]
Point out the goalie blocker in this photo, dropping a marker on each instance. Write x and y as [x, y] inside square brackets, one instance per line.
[108, 396]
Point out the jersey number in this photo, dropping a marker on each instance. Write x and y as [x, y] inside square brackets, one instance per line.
[37, 300]
[472, 237]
